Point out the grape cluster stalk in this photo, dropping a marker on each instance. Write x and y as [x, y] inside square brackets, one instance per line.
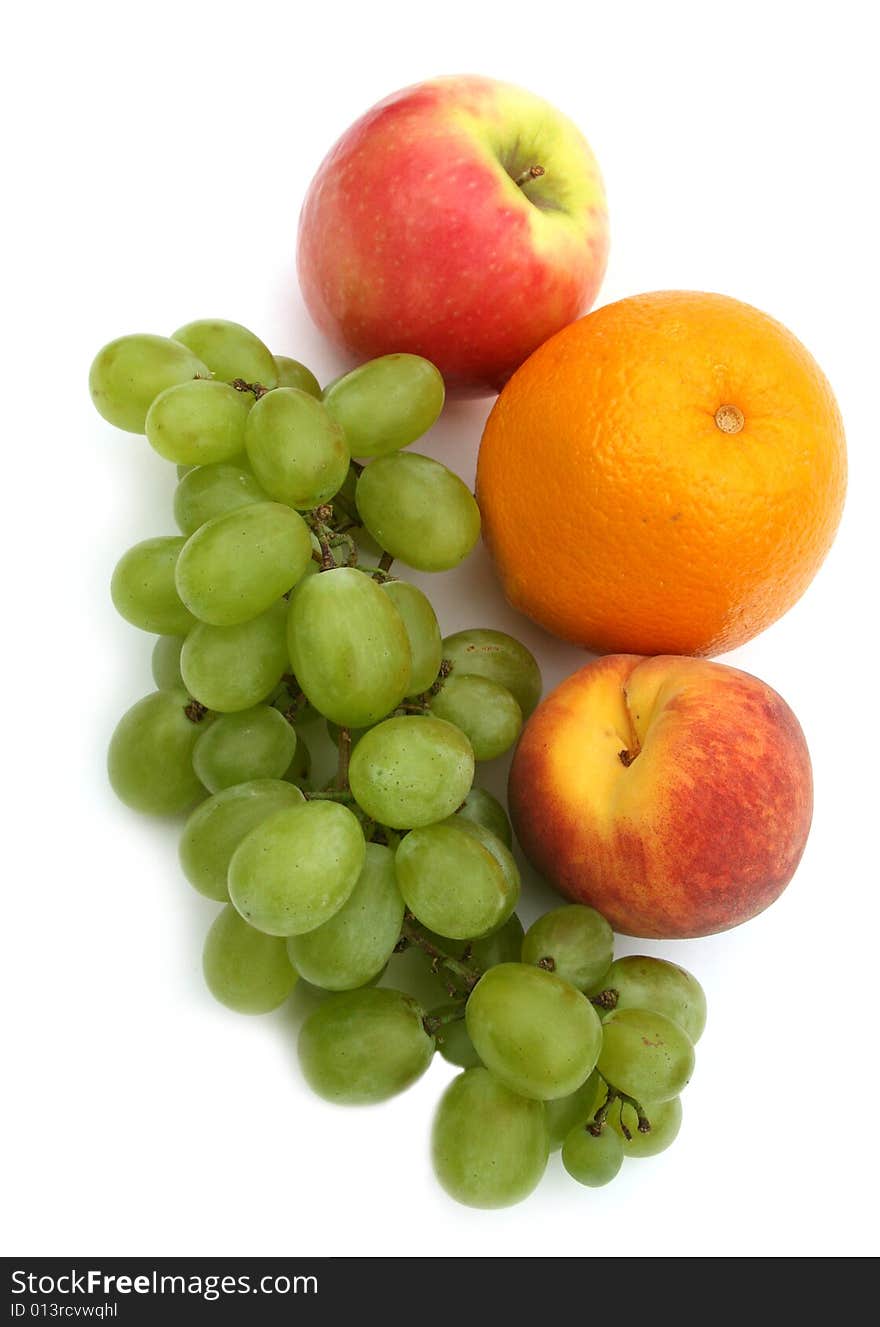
[282, 624]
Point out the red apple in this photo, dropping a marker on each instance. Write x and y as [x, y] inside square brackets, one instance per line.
[672, 794]
[461, 219]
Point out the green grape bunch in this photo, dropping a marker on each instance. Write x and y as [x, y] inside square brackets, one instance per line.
[282, 624]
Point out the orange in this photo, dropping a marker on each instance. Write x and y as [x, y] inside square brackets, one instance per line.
[663, 476]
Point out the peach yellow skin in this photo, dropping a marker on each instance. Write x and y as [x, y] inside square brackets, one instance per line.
[704, 827]
[415, 237]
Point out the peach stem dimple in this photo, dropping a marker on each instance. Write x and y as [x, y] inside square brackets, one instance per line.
[629, 753]
[729, 418]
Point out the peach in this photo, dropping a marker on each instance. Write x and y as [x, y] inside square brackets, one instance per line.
[672, 794]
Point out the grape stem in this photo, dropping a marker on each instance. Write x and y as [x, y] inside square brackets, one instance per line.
[297, 698]
[411, 935]
[343, 539]
[195, 711]
[344, 758]
[385, 562]
[606, 999]
[432, 1023]
[421, 704]
[256, 387]
[318, 519]
[382, 835]
[597, 1124]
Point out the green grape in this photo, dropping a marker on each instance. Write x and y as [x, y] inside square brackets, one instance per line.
[128, 374]
[143, 589]
[364, 1046]
[293, 374]
[236, 565]
[348, 647]
[645, 1055]
[165, 663]
[234, 668]
[300, 767]
[485, 711]
[150, 756]
[411, 770]
[356, 943]
[252, 744]
[489, 1145]
[452, 883]
[296, 449]
[423, 630]
[501, 946]
[533, 1030]
[484, 809]
[575, 942]
[655, 983]
[500, 658]
[212, 490]
[492, 844]
[230, 351]
[418, 511]
[453, 1041]
[563, 1114]
[664, 1118]
[296, 869]
[198, 422]
[217, 827]
[386, 403]
[592, 1159]
[245, 969]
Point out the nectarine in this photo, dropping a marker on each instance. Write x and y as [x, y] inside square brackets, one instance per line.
[672, 794]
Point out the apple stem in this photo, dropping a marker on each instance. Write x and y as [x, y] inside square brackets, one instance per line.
[533, 173]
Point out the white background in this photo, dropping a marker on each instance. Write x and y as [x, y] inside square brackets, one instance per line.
[155, 162]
